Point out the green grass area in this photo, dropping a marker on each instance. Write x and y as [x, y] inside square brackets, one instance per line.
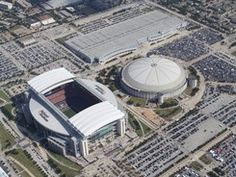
[1, 101]
[112, 86]
[192, 71]
[63, 170]
[146, 129]
[137, 101]
[4, 96]
[7, 111]
[194, 91]
[170, 102]
[20, 170]
[25, 160]
[134, 124]
[168, 113]
[6, 139]
[65, 161]
[212, 174]
[196, 166]
[205, 159]
[69, 113]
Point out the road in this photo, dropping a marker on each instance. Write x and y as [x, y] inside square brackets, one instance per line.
[138, 115]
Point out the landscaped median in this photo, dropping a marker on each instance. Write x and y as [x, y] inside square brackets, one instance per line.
[168, 103]
[19, 169]
[8, 111]
[205, 159]
[196, 166]
[63, 166]
[6, 139]
[3, 96]
[168, 109]
[168, 113]
[139, 102]
[139, 127]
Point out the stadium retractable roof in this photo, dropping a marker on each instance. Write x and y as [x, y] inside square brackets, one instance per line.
[51, 79]
[95, 117]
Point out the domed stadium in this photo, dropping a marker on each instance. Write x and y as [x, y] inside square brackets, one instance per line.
[153, 78]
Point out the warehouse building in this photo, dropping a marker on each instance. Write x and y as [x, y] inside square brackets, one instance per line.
[104, 45]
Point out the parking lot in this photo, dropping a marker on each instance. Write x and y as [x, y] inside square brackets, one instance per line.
[156, 155]
[93, 26]
[226, 113]
[208, 36]
[210, 117]
[186, 172]
[41, 54]
[11, 47]
[5, 36]
[116, 17]
[7, 68]
[60, 63]
[224, 155]
[218, 103]
[129, 13]
[216, 69]
[185, 49]
[188, 130]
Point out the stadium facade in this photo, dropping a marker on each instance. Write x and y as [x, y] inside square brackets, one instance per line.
[53, 4]
[153, 78]
[72, 113]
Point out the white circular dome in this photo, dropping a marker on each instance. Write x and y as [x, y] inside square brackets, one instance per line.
[153, 75]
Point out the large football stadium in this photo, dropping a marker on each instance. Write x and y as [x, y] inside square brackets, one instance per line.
[72, 113]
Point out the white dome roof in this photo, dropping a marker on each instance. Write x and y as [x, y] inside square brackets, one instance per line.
[153, 75]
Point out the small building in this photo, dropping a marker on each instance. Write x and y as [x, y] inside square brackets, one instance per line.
[23, 3]
[32, 23]
[46, 19]
[26, 41]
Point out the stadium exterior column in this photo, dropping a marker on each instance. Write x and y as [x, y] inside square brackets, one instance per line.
[121, 127]
[84, 147]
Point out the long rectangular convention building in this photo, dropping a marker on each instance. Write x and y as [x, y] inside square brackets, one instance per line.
[105, 44]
